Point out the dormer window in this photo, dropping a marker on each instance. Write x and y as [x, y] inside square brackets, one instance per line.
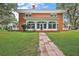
[26, 15]
[29, 15]
[51, 15]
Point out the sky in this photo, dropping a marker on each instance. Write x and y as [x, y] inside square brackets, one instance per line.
[40, 6]
[50, 6]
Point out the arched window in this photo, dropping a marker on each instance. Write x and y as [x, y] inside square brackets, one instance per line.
[30, 25]
[52, 25]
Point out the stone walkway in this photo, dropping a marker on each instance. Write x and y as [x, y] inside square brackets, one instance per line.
[48, 48]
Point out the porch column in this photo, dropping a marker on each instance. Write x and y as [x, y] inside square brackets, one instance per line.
[60, 21]
[47, 25]
[35, 25]
[56, 25]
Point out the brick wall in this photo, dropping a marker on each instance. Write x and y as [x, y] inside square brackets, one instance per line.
[60, 21]
[40, 14]
[21, 21]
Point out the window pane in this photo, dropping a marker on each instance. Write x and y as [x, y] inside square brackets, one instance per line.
[54, 26]
[44, 26]
[30, 26]
[49, 26]
[38, 26]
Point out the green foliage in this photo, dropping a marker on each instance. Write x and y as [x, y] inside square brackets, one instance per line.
[24, 26]
[71, 10]
[6, 12]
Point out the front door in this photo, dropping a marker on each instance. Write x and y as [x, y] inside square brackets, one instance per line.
[41, 25]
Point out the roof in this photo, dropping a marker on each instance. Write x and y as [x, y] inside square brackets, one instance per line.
[39, 11]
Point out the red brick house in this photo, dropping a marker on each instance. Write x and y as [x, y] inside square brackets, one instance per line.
[41, 20]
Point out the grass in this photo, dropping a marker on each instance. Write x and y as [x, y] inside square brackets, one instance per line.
[67, 41]
[18, 43]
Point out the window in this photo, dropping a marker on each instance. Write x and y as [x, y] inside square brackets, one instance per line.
[44, 26]
[54, 26]
[26, 15]
[29, 15]
[30, 25]
[50, 25]
[33, 26]
[38, 26]
[51, 15]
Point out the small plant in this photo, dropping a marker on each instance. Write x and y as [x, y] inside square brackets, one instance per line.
[24, 27]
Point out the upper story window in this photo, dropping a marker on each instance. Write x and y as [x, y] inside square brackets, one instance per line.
[28, 15]
[51, 15]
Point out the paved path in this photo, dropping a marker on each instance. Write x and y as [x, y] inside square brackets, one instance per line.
[48, 48]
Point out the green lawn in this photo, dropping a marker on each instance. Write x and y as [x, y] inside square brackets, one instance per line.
[67, 41]
[26, 43]
[18, 43]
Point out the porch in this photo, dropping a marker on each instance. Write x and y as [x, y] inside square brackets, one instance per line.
[41, 25]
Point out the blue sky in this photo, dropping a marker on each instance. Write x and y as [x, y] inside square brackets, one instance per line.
[51, 6]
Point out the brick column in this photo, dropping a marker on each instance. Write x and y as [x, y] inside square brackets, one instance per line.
[21, 21]
[60, 21]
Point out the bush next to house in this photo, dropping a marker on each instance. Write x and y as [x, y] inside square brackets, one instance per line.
[24, 27]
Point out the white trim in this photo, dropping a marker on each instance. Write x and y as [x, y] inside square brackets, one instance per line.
[35, 25]
[47, 25]
[42, 30]
[36, 29]
[39, 11]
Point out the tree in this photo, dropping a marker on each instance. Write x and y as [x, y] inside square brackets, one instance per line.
[71, 10]
[6, 13]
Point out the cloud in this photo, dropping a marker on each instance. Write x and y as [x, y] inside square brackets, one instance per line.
[24, 6]
[45, 7]
[20, 3]
[27, 5]
[37, 5]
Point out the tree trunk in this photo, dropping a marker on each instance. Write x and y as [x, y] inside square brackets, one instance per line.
[74, 26]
